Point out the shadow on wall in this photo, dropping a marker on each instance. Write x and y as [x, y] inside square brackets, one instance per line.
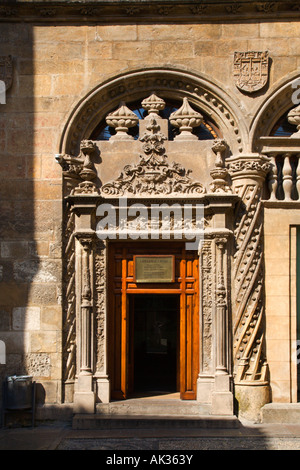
[19, 262]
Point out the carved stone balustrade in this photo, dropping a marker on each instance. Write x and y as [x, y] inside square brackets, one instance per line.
[283, 183]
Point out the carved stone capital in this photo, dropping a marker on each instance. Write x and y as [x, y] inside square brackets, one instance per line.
[254, 167]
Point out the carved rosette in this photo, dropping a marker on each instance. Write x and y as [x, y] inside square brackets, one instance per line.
[248, 296]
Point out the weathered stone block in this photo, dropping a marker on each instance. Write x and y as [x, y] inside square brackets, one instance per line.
[14, 249]
[26, 318]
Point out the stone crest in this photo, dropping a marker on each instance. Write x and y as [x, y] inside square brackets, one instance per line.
[251, 70]
[6, 70]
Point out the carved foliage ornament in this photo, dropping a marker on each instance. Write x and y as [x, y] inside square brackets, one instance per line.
[153, 174]
[251, 70]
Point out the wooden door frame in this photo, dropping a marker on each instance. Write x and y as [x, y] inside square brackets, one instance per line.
[121, 282]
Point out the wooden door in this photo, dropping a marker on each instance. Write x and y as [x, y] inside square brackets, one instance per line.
[121, 285]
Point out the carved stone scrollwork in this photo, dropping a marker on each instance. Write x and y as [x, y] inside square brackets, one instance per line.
[153, 174]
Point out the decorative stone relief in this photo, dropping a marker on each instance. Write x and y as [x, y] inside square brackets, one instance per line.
[153, 174]
[206, 265]
[79, 172]
[251, 70]
[100, 303]
[185, 118]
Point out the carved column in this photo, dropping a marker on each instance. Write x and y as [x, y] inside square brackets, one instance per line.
[250, 368]
[214, 384]
[84, 399]
[221, 310]
[222, 397]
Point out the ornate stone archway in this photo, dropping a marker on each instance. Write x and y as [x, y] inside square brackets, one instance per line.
[226, 182]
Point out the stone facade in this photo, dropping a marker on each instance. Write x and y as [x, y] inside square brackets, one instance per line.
[68, 68]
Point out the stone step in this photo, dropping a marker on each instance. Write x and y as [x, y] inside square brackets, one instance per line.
[107, 422]
[154, 407]
[287, 413]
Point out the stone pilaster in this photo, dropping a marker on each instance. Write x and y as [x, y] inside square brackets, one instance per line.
[250, 367]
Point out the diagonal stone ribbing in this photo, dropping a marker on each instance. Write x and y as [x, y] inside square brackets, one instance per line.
[248, 323]
[69, 313]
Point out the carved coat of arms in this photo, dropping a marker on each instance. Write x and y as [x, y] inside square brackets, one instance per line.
[6, 70]
[251, 70]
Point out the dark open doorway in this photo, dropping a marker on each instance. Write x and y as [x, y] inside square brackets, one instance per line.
[154, 343]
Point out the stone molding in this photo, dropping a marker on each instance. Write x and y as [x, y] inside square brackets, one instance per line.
[135, 85]
[277, 102]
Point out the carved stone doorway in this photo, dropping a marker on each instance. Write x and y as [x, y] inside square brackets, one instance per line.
[124, 287]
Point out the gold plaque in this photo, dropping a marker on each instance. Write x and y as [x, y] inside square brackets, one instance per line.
[152, 268]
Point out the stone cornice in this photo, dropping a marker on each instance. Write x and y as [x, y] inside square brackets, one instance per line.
[124, 11]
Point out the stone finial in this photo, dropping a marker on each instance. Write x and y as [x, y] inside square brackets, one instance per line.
[153, 104]
[186, 118]
[219, 173]
[294, 118]
[122, 119]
